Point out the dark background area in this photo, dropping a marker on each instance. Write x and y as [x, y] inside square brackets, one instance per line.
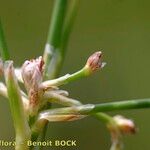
[122, 29]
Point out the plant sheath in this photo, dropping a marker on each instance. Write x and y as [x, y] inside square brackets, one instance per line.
[16, 105]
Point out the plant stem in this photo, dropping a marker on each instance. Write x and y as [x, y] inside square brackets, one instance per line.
[68, 26]
[3, 46]
[122, 105]
[103, 117]
[51, 47]
[90, 109]
[93, 64]
[64, 79]
[52, 67]
[57, 48]
[16, 105]
[57, 23]
[54, 35]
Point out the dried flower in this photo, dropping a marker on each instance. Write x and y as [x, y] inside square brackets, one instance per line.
[94, 62]
[125, 125]
[119, 126]
[32, 72]
[116, 136]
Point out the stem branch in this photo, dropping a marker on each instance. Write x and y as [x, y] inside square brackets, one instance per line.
[90, 109]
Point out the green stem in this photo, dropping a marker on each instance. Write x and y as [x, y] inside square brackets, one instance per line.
[3, 46]
[104, 117]
[52, 67]
[122, 105]
[58, 48]
[69, 22]
[57, 23]
[90, 67]
[17, 109]
[53, 61]
[57, 41]
[54, 35]
[90, 109]
[65, 79]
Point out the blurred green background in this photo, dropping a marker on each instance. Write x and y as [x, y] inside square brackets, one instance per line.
[122, 29]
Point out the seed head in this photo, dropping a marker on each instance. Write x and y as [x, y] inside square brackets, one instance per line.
[32, 72]
[125, 125]
[94, 62]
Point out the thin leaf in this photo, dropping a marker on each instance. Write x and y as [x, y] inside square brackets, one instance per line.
[16, 105]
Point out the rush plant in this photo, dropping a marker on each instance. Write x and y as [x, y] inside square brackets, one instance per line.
[31, 109]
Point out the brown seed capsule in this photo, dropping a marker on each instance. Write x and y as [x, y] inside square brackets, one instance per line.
[94, 62]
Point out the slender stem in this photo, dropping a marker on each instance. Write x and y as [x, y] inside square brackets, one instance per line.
[93, 64]
[58, 49]
[122, 105]
[64, 79]
[69, 22]
[16, 105]
[104, 117]
[57, 23]
[90, 109]
[54, 35]
[53, 41]
[52, 57]
[3, 46]
[53, 67]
